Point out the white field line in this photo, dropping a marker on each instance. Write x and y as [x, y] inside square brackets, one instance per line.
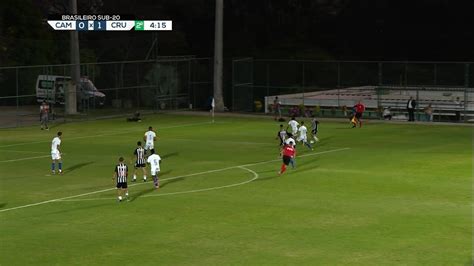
[105, 134]
[176, 177]
[26, 158]
[225, 141]
[18, 151]
[255, 176]
[305, 155]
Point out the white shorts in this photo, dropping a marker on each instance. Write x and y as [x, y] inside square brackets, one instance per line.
[149, 146]
[302, 138]
[55, 155]
[155, 171]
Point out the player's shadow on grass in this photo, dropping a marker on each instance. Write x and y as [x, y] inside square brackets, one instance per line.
[3, 204]
[170, 155]
[164, 183]
[135, 196]
[76, 166]
[273, 175]
[167, 182]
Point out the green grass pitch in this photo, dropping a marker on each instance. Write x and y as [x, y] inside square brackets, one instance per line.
[383, 194]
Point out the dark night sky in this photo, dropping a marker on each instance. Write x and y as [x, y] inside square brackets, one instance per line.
[363, 29]
[428, 30]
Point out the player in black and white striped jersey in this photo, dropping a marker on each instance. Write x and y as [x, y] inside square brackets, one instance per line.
[120, 176]
[282, 136]
[140, 161]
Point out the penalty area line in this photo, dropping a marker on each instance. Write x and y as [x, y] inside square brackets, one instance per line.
[255, 176]
[170, 178]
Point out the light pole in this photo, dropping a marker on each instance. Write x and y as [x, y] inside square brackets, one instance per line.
[70, 93]
[218, 58]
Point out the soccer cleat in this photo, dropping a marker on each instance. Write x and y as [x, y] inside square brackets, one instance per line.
[53, 172]
[133, 180]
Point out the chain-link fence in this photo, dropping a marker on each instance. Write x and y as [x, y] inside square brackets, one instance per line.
[443, 90]
[304, 87]
[105, 89]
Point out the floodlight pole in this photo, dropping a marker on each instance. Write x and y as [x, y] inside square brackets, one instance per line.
[218, 58]
[70, 91]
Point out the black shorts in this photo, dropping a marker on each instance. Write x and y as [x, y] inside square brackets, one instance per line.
[286, 159]
[122, 185]
[140, 165]
[358, 115]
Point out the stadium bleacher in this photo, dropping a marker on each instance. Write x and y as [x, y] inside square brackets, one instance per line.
[376, 98]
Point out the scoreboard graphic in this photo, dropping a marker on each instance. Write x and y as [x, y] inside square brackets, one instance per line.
[107, 23]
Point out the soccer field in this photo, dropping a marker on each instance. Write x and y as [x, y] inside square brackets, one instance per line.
[383, 194]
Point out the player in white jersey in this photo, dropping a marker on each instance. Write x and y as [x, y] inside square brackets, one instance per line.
[291, 141]
[149, 138]
[294, 126]
[56, 154]
[154, 161]
[302, 135]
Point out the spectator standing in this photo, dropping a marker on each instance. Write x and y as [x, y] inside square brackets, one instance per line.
[458, 108]
[411, 105]
[44, 115]
[428, 113]
[277, 108]
[387, 114]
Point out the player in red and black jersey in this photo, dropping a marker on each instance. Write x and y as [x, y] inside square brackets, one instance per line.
[359, 109]
[288, 152]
